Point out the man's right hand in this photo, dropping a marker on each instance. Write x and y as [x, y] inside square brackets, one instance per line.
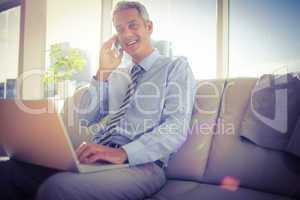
[110, 59]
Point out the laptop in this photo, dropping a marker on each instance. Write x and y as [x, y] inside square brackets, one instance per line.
[33, 131]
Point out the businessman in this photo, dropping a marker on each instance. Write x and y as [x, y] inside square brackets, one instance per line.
[139, 116]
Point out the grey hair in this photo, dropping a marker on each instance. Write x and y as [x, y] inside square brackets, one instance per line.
[124, 5]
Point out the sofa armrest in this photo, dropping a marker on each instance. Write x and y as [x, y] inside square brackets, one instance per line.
[76, 131]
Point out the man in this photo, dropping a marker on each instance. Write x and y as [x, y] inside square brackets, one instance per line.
[146, 112]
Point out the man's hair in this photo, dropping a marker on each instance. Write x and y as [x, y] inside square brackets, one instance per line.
[124, 5]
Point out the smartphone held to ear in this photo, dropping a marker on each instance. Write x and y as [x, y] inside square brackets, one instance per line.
[117, 46]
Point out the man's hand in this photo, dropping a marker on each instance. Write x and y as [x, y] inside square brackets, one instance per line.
[110, 59]
[90, 153]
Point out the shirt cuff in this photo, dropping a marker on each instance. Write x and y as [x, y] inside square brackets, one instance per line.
[133, 150]
[98, 83]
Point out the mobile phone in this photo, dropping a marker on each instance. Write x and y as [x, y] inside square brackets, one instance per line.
[117, 45]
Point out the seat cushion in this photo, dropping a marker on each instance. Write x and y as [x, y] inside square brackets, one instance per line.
[174, 188]
[186, 190]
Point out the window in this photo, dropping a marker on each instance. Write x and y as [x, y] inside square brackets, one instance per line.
[264, 37]
[76, 23]
[9, 43]
[190, 27]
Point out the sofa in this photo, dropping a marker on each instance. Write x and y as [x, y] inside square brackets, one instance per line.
[215, 162]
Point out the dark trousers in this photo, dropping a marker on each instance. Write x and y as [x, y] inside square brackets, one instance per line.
[19, 180]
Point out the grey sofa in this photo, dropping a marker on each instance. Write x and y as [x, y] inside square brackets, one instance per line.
[215, 162]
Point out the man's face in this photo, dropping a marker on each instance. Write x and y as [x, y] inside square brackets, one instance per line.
[133, 33]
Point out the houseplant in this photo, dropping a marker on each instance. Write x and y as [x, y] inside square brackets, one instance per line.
[65, 62]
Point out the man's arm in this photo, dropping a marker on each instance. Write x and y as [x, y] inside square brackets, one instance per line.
[172, 132]
[93, 105]
[94, 101]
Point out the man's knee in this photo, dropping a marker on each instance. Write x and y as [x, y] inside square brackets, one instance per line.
[66, 186]
[54, 188]
[69, 186]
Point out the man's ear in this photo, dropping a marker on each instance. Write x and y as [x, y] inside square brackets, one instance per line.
[149, 26]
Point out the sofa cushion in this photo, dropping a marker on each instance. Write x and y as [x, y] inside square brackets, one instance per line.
[179, 190]
[174, 188]
[272, 111]
[252, 166]
[190, 161]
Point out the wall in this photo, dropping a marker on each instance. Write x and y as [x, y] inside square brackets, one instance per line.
[32, 48]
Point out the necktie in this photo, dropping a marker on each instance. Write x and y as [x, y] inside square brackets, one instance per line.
[116, 118]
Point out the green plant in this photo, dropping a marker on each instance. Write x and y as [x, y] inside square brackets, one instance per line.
[65, 63]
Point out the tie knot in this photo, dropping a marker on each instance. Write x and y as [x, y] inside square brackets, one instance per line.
[136, 69]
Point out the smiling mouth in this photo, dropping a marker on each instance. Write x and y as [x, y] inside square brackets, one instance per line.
[131, 43]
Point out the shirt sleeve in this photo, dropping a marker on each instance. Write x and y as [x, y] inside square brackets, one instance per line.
[93, 104]
[176, 114]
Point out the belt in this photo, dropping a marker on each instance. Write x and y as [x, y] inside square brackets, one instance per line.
[114, 145]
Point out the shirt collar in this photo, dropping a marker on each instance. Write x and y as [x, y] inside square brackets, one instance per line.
[149, 60]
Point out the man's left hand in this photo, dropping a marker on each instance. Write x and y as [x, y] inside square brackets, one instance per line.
[90, 153]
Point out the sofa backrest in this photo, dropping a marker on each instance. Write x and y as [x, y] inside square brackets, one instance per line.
[249, 165]
[189, 162]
